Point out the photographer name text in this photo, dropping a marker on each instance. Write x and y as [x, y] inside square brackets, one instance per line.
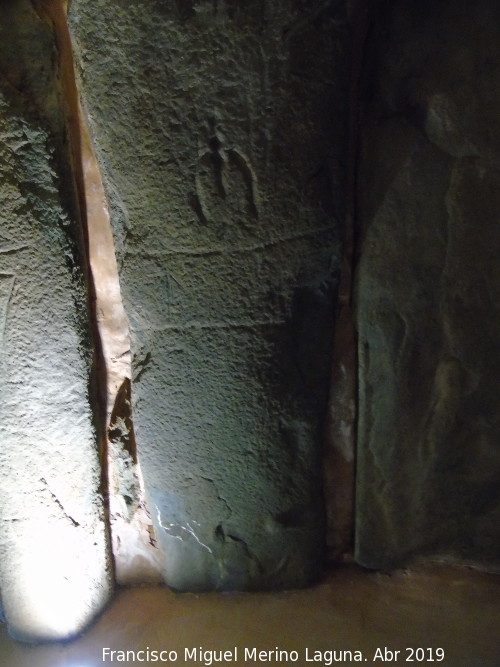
[254, 655]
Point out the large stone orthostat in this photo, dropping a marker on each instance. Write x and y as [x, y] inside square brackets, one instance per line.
[220, 130]
[54, 568]
[429, 286]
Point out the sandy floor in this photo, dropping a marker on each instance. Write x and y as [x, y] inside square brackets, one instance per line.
[435, 608]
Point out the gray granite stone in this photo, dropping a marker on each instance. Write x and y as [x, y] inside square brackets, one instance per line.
[220, 131]
[54, 569]
[428, 286]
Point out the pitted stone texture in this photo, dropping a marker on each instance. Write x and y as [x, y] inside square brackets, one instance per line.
[429, 287]
[54, 570]
[220, 129]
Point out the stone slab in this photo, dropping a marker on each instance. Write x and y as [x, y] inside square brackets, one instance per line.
[428, 287]
[54, 565]
[220, 131]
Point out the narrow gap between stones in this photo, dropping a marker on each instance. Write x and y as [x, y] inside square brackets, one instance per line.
[133, 544]
[132, 536]
[341, 420]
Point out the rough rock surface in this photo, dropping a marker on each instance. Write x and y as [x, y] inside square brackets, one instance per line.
[54, 570]
[429, 286]
[220, 130]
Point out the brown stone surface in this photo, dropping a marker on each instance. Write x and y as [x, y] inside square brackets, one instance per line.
[54, 565]
[220, 131]
[458, 611]
[135, 554]
[428, 286]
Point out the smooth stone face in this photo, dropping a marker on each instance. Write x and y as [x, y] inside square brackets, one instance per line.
[54, 568]
[220, 130]
[428, 287]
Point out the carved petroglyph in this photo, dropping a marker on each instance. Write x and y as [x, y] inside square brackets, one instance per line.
[248, 177]
[225, 183]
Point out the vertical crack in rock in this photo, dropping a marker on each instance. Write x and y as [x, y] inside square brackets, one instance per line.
[135, 551]
[340, 436]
